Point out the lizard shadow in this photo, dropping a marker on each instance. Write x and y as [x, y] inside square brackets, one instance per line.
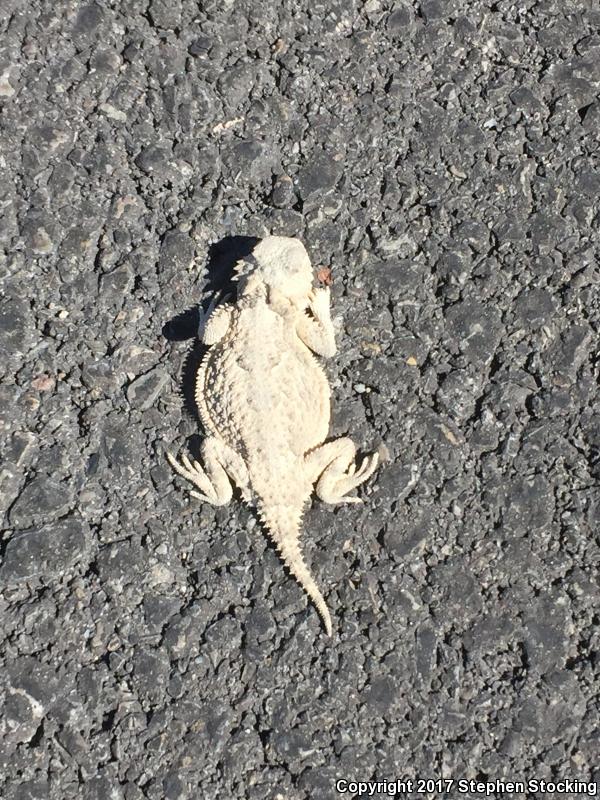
[222, 257]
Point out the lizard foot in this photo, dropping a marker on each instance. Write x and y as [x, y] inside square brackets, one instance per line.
[214, 480]
[333, 466]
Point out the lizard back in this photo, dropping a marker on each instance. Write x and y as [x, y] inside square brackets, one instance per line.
[261, 390]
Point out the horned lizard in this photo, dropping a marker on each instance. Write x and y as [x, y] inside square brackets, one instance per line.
[264, 401]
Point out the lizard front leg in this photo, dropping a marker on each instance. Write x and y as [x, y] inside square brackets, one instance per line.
[333, 466]
[221, 466]
[214, 322]
[317, 331]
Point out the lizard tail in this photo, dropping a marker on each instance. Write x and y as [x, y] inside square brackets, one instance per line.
[286, 540]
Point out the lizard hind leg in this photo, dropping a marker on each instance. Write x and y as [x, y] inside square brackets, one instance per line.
[221, 465]
[333, 466]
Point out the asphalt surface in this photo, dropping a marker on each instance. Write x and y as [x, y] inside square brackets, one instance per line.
[442, 159]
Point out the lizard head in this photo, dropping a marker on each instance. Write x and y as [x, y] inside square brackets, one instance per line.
[280, 263]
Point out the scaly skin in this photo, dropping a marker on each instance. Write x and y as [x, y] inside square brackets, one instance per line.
[264, 401]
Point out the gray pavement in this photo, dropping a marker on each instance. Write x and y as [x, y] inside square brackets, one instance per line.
[442, 159]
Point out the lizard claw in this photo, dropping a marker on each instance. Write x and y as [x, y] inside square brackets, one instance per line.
[203, 316]
[319, 301]
[367, 467]
[202, 497]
